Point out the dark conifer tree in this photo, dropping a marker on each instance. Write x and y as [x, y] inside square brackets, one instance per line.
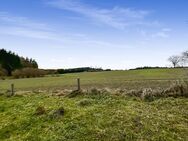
[10, 61]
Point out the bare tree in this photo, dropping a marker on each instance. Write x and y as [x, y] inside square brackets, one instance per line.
[185, 54]
[184, 58]
[175, 60]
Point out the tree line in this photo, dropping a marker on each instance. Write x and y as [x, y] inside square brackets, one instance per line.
[13, 65]
[75, 70]
[179, 60]
[9, 62]
[82, 69]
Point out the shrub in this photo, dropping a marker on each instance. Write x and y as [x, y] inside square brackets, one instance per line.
[17, 74]
[28, 72]
[178, 88]
[148, 94]
[3, 73]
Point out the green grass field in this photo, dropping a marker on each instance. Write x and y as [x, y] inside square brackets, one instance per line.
[94, 116]
[114, 79]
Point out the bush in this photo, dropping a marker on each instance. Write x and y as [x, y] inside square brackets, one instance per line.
[178, 88]
[28, 72]
[148, 94]
[3, 73]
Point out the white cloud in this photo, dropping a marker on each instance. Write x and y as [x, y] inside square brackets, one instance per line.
[11, 20]
[25, 32]
[164, 33]
[160, 34]
[116, 17]
[24, 27]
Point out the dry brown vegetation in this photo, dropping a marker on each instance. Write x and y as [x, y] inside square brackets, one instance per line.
[176, 89]
[28, 72]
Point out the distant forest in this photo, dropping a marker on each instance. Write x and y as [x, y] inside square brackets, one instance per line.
[17, 66]
[14, 65]
[9, 61]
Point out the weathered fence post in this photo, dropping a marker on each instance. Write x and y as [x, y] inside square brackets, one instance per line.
[78, 81]
[12, 89]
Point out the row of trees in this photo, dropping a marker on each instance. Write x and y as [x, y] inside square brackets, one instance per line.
[77, 70]
[179, 60]
[10, 61]
[28, 72]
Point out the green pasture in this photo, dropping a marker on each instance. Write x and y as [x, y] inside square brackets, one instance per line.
[113, 79]
[92, 118]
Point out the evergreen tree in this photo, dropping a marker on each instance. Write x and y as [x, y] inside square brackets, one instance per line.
[9, 61]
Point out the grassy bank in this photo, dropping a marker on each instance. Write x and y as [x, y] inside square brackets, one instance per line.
[93, 117]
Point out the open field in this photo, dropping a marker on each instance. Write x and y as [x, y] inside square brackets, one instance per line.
[151, 78]
[93, 70]
[93, 117]
[90, 116]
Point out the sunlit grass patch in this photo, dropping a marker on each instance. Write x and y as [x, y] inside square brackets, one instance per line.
[93, 117]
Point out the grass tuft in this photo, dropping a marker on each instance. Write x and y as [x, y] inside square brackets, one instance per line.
[40, 111]
[74, 93]
[58, 113]
[177, 89]
[84, 102]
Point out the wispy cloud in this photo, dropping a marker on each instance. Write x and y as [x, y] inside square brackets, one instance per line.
[22, 26]
[25, 27]
[26, 32]
[11, 20]
[116, 17]
[163, 33]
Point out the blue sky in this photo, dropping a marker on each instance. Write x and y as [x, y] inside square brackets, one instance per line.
[116, 34]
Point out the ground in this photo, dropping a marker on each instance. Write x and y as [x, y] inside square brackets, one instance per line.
[132, 79]
[94, 116]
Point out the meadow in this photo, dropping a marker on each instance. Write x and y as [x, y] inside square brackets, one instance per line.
[131, 79]
[92, 116]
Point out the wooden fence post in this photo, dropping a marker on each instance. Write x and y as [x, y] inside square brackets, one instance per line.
[78, 82]
[12, 89]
